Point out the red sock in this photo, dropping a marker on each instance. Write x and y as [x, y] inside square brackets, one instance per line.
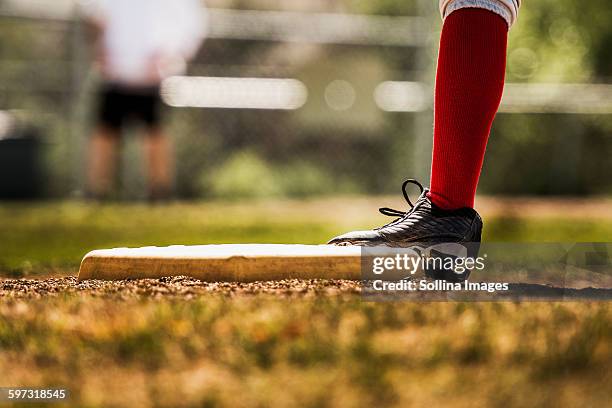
[469, 85]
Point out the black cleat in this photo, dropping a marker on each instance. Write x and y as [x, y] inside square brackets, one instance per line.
[423, 226]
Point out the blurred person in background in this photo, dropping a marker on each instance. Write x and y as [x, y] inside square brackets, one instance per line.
[469, 84]
[138, 43]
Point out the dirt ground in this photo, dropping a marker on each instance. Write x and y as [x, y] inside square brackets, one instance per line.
[179, 286]
[186, 288]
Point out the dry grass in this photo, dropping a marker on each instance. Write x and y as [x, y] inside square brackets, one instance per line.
[317, 344]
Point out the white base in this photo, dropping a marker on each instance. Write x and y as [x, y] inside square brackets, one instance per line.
[228, 262]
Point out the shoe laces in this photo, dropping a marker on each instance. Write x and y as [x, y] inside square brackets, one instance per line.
[399, 215]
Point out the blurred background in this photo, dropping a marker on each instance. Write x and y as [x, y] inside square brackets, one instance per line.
[317, 98]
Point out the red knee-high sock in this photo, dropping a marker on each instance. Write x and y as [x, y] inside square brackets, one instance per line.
[469, 85]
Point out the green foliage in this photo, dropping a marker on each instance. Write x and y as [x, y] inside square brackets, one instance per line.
[548, 154]
[547, 45]
[246, 175]
[243, 175]
[302, 179]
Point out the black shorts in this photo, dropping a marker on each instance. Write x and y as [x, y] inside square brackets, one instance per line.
[119, 105]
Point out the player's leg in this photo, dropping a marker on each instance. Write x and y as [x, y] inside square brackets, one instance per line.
[159, 152]
[157, 145]
[102, 161]
[104, 144]
[469, 83]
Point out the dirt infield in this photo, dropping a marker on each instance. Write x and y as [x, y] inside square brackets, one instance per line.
[185, 288]
[180, 286]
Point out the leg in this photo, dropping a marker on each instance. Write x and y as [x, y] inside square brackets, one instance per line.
[102, 159]
[469, 85]
[104, 143]
[158, 147]
[159, 152]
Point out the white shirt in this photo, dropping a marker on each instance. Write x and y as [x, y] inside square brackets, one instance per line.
[145, 41]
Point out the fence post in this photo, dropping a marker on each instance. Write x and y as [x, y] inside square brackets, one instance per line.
[423, 121]
[78, 108]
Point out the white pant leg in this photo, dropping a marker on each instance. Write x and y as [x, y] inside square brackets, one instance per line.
[508, 9]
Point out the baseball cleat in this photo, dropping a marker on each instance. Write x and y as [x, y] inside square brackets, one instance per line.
[424, 225]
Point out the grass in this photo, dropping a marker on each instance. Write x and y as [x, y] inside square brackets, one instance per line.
[298, 350]
[331, 351]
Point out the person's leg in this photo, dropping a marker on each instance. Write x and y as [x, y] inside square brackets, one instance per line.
[104, 143]
[469, 85]
[468, 90]
[159, 152]
[157, 145]
[102, 159]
